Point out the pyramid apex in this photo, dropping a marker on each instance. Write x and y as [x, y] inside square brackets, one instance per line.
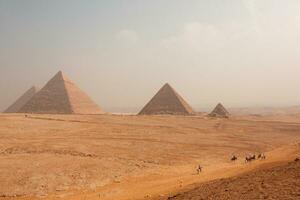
[167, 85]
[61, 75]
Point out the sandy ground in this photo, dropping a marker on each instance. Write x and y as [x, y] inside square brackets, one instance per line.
[129, 157]
[274, 181]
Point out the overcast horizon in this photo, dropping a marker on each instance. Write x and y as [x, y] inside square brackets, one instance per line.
[242, 53]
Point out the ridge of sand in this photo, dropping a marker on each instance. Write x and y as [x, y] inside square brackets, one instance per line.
[167, 101]
[60, 96]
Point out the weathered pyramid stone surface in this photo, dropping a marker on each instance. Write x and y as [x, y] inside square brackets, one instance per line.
[20, 102]
[220, 111]
[61, 96]
[167, 101]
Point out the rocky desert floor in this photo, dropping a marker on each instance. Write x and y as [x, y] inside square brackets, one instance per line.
[146, 157]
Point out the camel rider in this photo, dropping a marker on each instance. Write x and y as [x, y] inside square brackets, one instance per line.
[199, 169]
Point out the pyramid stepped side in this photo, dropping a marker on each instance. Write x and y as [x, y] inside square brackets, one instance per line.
[80, 102]
[219, 111]
[51, 99]
[20, 102]
[167, 101]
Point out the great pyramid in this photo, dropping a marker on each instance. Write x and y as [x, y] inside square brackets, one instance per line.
[20, 102]
[220, 111]
[60, 96]
[167, 101]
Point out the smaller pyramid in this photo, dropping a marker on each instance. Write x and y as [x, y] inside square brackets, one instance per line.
[60, 96]
[21, 101]
[220, 111]
[167, 101]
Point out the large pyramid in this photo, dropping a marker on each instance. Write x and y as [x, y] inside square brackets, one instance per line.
[167, 101]
[20, 102]
[220, 111]
[60, 96]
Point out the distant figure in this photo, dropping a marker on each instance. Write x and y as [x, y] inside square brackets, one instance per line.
[247, 159]
[26, 115]
[250, 158]
[261, 156]
[233, 158]
[199, 169]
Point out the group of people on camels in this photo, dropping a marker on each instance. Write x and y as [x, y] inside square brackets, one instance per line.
[249, 158]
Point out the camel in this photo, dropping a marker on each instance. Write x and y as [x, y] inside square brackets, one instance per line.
[250, 158]
[261, 156]
[247, 159]
[233, 158]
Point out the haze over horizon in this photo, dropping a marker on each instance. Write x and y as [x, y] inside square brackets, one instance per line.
[238, 52]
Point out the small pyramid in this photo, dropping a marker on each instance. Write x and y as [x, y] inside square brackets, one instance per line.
[21, 101]
[167, 101]
[220, 111]
[60, 96]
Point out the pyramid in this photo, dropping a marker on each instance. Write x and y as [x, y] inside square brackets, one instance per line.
[167, 101]
[60, 96]
[20, 102]
[219, 111]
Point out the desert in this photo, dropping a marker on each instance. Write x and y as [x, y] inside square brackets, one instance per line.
[131, 157]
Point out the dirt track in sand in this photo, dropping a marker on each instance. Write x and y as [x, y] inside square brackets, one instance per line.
[75, 156]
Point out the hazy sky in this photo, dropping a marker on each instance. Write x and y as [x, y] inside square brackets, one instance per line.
[239, 52]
